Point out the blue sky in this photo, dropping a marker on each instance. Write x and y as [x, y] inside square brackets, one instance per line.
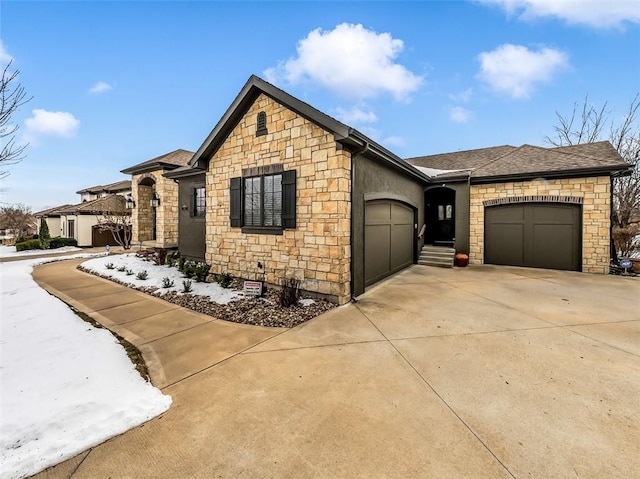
[117, 83]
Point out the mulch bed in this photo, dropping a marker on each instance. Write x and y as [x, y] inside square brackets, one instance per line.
[264, 311]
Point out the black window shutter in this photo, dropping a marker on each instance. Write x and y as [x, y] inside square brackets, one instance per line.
[235, 191]
[289, 199]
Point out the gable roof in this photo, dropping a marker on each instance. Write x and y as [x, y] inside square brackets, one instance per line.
[110, 188]
[110, 204]
[342, 133]
[528, 161]
[168, 161]
[55, 211]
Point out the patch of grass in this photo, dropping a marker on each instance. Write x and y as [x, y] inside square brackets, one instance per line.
[129, 272]
[167, 283]
[142, 275]
[134, 353]
[224, 279]
[109, 266]
[186, 286]
[122, 269]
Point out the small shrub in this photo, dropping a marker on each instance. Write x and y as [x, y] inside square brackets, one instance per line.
[181, 263]
[167, 283]
[28, 245]
[142, 275]
[122, 268]
[109, 266]
[186, 286]
[173, 257]
[224, 279]
[59, 242]
[160, 256]
[290, 292]
[129, 272]
[201, 271]
[43, 235]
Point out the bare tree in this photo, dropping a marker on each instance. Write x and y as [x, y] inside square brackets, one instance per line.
[116, 218]
[12, 97]
[588, 124]
[17, 220]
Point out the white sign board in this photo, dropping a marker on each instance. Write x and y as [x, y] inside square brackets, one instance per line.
[253, 288]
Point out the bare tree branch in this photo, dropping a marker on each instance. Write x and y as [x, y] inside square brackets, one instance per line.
[12, 97]
[116, 218]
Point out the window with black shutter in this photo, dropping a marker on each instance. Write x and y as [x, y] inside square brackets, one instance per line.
[264, 203]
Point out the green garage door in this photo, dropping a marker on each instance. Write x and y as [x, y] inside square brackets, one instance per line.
[388, 239]
[538, 235]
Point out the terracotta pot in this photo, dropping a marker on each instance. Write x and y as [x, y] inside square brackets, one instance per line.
[462, 260]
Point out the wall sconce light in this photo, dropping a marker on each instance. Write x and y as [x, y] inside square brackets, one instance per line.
[155, 200]
[129, 203]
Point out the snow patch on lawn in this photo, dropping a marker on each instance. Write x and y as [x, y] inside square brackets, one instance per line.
[10, 251]
[66, 386]
[156, 273]
[306, 302]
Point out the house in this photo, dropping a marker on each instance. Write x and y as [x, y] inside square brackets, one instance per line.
[279, 189]
[82, 221]
[100, 191]
[154, 207]
[52, 217]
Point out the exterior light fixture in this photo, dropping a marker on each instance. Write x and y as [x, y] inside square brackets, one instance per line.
[155, 200]
[129, 203]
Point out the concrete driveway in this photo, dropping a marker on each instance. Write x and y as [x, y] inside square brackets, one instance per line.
[445, 373]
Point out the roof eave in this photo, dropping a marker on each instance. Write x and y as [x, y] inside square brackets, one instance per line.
[176, 175]
[137, 170]
[621, 170]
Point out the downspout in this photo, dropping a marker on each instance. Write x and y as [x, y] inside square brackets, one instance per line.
[354, 155]
[613, 251]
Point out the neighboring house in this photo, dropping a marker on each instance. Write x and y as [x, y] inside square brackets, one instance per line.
[93, 193]
[155, 199]
[291, 192]
[52, 217]
[82, 221]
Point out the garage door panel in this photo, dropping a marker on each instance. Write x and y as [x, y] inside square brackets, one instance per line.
[378, 213]
[536, 235]
[389, 239]
[377, 259]
[505, 244]
[401, 256]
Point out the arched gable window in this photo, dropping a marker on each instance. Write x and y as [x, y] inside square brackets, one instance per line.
[261, 126]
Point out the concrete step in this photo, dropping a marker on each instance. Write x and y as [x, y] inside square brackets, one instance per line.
[437, 256]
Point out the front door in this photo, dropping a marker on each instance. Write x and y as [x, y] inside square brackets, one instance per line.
[71, 229]
[440, 216]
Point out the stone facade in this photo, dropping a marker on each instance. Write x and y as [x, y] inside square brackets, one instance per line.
[165, 216]
[318, 250]
[596, 199]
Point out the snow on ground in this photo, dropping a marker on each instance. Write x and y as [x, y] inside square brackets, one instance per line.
[6, 251]
[66, 386]
[156, 273]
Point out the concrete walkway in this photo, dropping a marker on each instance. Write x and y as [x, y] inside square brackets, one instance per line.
[480, 372]
[175, 342]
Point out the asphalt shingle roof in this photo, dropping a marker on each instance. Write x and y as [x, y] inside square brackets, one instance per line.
[55, 211]
[527, 159]
[111, 203]
[110, 188]
[169, 160]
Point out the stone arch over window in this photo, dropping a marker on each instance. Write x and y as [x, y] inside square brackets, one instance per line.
[261, 124]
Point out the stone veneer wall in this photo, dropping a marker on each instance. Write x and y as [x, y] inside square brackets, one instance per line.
[166, 213]
[596, 212]
[318, 250]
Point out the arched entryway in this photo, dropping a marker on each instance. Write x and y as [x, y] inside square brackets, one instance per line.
[440, 216]
[147, 217]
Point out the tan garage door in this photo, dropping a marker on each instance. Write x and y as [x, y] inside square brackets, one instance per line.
[538, 235]
[388, 239]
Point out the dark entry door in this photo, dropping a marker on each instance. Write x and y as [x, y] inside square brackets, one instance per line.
[538, 235]
[71, 228]
[440, 216]
[388, 239]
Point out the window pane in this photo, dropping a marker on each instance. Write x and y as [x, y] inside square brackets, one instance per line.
[272, 200]
[252, 203]
[199, 202]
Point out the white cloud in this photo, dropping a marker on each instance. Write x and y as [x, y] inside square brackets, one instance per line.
[457, 114]
[350, 60]
[595, 13]
[376, 135]
[100, 87]
[355, 116]
[463, 96]
[4, 54]
[51, 123]
[515, 70]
